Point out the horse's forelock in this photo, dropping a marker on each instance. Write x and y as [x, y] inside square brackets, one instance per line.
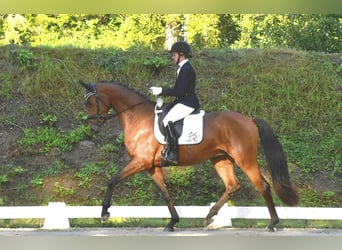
[88, 86]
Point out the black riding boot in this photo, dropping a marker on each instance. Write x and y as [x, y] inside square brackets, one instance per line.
[170, 151]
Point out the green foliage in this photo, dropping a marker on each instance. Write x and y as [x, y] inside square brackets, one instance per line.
[156, 63]
[86, 173]
[26, 59]
[207, 187]
[107, 151]
[46, 138]
[56, 168]
[300, 31]
[55, 87]
[339, 69]
[19, 170]
[143, 190]
[49, 120]
[89, 169]
[6, 86]
[16, 29]
[229, 30]
[141, 29]
[49, 137]
[36, 182]
[316, 32]
[63, 191]
[181, 180]
[202, 30]
[111, 170]
[3, 179]
[312, 157]
[77, 135]
[120, 138]
[9, 172]
[114, 61]
[311, 198]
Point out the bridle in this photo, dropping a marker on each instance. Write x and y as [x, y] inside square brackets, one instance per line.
[99, 116]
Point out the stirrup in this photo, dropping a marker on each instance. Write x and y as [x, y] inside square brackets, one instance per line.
[166, 161]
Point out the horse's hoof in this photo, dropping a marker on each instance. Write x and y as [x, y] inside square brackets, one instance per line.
[271, 229]
[207, 222]
[105, 217]
[169, 229]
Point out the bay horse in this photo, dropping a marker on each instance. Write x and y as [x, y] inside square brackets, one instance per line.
[229, 138]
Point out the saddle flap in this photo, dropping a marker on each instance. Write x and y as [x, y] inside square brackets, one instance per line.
[189, 129]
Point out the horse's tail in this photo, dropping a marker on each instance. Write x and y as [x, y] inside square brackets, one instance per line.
[276, 159]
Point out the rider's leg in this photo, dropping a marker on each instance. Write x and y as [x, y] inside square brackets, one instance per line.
[176, 113]
[170, 151]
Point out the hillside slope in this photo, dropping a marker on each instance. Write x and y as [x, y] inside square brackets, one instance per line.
[46, 154]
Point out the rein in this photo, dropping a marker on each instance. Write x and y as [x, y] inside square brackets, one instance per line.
[99, 116]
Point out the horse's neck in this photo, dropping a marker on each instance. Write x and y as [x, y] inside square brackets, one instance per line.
[130, 107]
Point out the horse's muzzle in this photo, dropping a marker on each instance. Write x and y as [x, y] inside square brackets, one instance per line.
[95, 125]
[94, 129]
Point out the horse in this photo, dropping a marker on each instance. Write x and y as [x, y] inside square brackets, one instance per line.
[230, 138]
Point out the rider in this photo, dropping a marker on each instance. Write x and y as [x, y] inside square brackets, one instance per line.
[185, 102]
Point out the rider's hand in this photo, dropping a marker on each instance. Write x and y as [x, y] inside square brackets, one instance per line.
[156, 90]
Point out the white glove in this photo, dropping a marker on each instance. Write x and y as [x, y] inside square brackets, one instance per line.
[156, 90]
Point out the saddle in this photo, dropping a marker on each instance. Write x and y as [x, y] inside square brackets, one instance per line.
[189, 130]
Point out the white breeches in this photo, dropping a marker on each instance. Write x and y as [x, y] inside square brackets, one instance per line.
[179, 111]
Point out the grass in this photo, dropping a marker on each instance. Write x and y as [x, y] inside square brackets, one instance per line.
[6, 88]
[198, 223]
[48, 137]
[184, 223]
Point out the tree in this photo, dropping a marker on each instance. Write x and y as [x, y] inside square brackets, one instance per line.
[228, 27]
[201, 30]
[173, 29]
[141, 29]
[16, 29]
[300, 31]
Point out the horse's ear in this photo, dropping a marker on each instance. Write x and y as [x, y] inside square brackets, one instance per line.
[87, 86]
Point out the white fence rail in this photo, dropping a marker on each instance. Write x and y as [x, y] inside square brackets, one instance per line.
[56, 215]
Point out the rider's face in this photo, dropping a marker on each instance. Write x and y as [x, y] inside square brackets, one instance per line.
[175, 57]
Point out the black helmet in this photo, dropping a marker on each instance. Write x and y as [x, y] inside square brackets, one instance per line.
[181, 48]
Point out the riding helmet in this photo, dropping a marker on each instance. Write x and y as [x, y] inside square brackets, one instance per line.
[181, 48]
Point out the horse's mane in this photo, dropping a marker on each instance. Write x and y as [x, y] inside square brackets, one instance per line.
[129, 88]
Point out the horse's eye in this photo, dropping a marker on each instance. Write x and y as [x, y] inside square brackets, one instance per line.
[88, 103]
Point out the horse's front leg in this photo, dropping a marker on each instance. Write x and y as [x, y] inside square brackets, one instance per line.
[133, 167]
[107, 199]
[158, 177]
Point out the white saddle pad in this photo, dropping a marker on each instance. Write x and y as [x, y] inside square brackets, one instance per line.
[192, 130]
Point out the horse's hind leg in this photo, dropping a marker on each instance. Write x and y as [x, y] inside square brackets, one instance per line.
[264, 189]
[225, 169]
[158, 177]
